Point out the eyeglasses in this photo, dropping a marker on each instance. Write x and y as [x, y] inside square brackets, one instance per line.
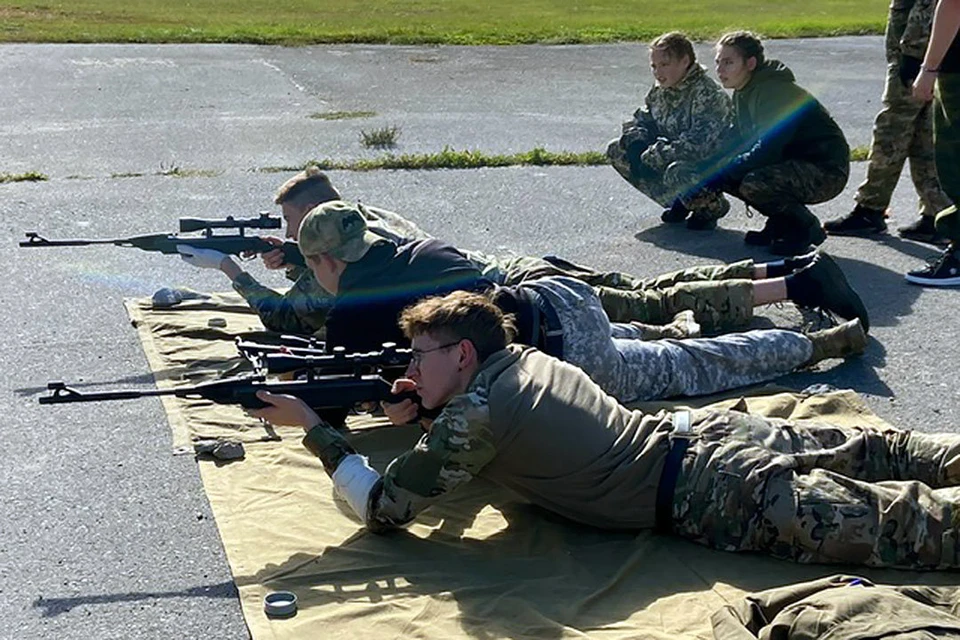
[418, 354]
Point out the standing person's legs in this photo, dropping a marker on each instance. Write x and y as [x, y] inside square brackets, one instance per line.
[945, 270]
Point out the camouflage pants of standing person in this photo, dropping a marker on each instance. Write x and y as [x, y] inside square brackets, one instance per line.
[946, 115]
[902, 130]
[632, 370]
[680, 180]
[815, 492]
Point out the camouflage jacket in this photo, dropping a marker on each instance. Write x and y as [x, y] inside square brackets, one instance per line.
[302, 309]
[536, 425]
[685, 123]
[908, 28]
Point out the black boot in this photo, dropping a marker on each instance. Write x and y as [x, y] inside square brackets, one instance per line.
[675, 214]
[801, 233]
[923, 230]
[862, 221]
[772, 229]
[822, 285]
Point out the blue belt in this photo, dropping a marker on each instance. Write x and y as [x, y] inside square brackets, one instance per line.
[548, 333]
[679, 443]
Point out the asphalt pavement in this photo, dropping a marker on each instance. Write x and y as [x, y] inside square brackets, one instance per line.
[104, 533]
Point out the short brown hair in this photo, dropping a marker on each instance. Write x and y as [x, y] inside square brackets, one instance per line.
[746, 43]
[676, 45]
[308, 188]
[461, 315]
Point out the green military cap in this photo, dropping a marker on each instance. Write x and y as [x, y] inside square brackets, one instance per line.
[336, 228]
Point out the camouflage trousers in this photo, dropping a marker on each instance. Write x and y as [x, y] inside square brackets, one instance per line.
[679, 181]
[946, 115]
[902, 130]
[718, 305]
[784, 188]
[721, 296]
[816, 492]
[631, 369]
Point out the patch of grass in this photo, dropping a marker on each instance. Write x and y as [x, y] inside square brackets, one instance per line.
[296, 22]
[28, 176]
[859, 154]
[384, 137]
[127, 174]
[453, 159]
[175, 171]
[341, 115]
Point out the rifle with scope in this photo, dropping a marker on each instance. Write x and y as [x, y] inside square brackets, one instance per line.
[233, 244]
[330, 381]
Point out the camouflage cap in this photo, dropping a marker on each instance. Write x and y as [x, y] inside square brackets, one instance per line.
[336, 228]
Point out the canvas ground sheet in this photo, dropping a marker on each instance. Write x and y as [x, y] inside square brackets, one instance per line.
[480, 565]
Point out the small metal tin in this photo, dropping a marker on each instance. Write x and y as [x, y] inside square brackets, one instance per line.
[279, 604]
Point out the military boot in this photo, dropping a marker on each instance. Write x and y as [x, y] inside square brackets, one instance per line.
[862, 221]
[683, 326]
[842, 341]
[675, 214]
[772, 229]
[801, 231]
[706, 219]
[923, 230]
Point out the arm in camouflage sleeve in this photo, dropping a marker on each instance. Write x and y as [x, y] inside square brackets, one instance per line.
[301, 310]
[710, 122]
[642, 129]
[458, 446]
[917, 33]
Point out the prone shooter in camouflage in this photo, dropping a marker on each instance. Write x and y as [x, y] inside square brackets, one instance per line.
[666, 150]
[721, 297]
[726, 479]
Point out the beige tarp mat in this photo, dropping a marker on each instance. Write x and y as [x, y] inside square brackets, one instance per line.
[481, 565]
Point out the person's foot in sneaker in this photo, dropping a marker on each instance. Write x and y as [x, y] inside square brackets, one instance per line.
[823, 286]
[675, 214]
[788, 265]
[922, 230]
[942, 272]
[862, 221]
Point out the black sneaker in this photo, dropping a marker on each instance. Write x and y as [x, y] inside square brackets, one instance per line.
[922, 230]
[862, 221]
[823, 286]
[675, 214]
[942, 272]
